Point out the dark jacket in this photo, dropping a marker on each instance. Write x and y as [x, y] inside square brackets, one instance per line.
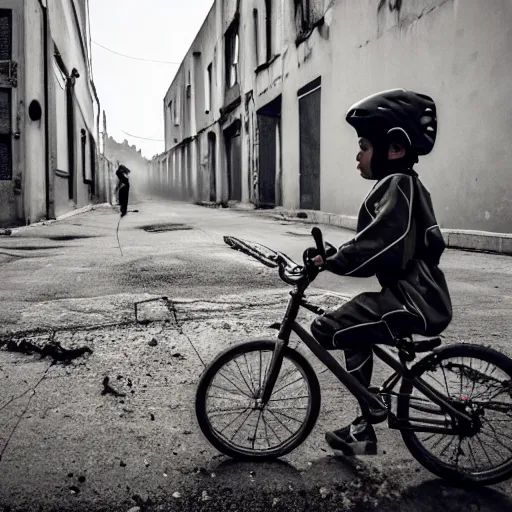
[399, 241]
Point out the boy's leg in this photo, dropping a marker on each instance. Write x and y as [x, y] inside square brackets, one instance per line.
[354, 328]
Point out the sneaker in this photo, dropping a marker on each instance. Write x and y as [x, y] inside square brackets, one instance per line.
[358, 438]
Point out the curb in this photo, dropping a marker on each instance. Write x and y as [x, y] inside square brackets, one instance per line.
[469, 240]
[64, 216]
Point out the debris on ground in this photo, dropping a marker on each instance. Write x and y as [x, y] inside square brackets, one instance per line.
[52, 349]
[108, 389]
[324, 492]
[5, 232]
[153, 343]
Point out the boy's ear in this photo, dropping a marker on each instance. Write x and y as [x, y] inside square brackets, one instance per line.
[396, 151]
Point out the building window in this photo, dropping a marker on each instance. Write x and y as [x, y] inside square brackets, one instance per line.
[208, 89]
[5, 95]
[256, 36]
[308, 14]
[176, 111]
[232, 43]
[5, 34]
[93, 153]
[189, 85]
[268, 28]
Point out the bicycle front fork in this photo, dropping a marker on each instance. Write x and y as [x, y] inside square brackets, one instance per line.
[273, 372]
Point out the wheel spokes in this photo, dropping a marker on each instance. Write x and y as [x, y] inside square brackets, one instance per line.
[240, 381]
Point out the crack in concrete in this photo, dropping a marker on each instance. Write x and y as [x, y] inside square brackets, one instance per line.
[2, 452]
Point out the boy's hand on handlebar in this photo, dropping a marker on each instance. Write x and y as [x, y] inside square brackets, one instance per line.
[318, 261]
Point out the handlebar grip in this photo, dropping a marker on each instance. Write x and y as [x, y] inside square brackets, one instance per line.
[319, 240]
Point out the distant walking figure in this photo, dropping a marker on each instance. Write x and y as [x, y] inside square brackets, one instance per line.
[123, 188]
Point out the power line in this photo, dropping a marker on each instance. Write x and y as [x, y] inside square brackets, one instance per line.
[136, 58]
[143, 138]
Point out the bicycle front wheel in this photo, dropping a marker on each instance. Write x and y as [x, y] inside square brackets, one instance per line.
[479, 379]
[230, 415]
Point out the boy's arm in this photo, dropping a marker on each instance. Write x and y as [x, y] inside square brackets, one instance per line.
[378, 245]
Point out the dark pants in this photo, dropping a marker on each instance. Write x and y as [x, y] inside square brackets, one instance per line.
[368, 319]
[124, 192]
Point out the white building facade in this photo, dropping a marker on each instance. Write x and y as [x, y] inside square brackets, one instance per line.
[255, 113]
[49, 111]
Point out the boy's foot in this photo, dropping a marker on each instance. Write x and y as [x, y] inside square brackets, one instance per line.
[358, 438]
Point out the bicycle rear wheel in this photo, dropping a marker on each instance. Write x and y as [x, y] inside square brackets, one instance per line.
[481, 379]
[232, 419]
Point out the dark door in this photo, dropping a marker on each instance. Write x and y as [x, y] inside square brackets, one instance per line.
[267, 160]
[269, 119]
[309, 125]
[234, 161]
[212, 165]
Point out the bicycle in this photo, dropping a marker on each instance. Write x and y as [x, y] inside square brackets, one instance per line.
[462, 414]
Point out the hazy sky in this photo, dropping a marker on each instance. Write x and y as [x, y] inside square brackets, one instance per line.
[132, 91]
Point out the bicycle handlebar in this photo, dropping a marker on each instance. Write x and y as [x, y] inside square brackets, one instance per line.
[296, 273]
[289, 271]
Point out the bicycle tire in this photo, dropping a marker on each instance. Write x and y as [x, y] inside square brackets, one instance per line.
[247, 454]
[413, 444]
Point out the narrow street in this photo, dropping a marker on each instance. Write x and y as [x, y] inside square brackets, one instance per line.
[65, 445]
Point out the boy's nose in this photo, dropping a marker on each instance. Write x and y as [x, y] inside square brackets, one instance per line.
[358, 157]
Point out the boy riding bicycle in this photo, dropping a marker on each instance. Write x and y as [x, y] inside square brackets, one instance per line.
[398, 240]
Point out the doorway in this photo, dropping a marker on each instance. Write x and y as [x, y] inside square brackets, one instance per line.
[269, 155]
[212, 165]
[309, 136]
[234, 161]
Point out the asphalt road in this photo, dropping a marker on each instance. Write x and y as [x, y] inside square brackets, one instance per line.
[68, 447]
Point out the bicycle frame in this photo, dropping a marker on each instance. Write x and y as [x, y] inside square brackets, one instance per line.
[378, 411]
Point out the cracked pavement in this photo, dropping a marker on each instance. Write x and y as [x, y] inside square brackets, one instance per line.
[66, 446]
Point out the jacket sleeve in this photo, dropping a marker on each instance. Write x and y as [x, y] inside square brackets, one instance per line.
[378, 246]
[120, 173]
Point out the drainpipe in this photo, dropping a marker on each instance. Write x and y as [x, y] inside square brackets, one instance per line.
[46, 108]
[73, 176]
[98, 170]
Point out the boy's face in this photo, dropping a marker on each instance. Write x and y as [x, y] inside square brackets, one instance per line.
[364, 157]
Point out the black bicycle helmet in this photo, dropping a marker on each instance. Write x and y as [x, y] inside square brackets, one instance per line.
[385, 112]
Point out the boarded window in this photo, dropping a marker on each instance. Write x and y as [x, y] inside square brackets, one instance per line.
[268, 28]
[256, 36]
[5, 34]
[5, 135]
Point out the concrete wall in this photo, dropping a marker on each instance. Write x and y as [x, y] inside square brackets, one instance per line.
[449, 49]
[41, 170]
[34, 171]
[68, 32]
